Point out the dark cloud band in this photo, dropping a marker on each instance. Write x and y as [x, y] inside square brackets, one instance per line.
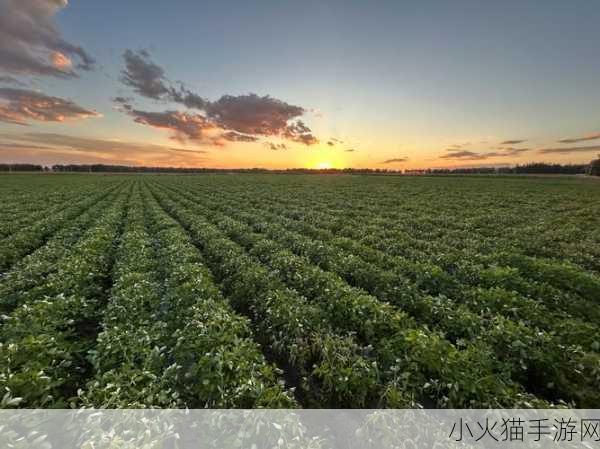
[593, 136]
[394, 160]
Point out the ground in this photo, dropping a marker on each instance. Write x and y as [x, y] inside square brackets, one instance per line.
[299, 291]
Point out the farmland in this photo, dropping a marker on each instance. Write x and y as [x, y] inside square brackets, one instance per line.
[299, 291]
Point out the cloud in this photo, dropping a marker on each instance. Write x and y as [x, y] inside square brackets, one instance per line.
[19, 106]
[458, 146]
[473, 155]
[20, 146]
[276, 146]
[569, 150]
[330, 143]
[233, 136]
[145, 77]
[181, 150]
[512, 142]
[184, 125]
[299, 132]
[462, 155]
[123, 103]
[252, 114]
[261, 116]
[395, 160]
[593, 136]
[51, 148]
[350, 150]
[187, 98]
[475, 165]
[243, 118]
[513, 151]
[31, 44]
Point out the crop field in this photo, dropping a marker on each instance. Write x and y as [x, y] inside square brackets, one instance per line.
[299, 291]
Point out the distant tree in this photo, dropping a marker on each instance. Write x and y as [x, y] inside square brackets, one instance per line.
[595, 167]
[544, 168]
[20, 167]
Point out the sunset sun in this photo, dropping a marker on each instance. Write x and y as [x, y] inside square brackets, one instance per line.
[324, 165]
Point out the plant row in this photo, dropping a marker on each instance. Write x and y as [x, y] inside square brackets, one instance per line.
[32, 269]
[31, 237]
[545, 358]
[414, 357]
[45, 341]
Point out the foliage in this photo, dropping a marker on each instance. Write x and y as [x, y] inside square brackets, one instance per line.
[284, 291]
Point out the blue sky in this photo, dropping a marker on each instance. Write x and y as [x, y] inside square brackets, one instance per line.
[391, 79]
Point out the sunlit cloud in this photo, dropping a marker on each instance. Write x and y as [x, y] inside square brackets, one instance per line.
[20, 106]
[60, 61]
[243, 118]
[31, 44]
[233, 136]
[58, 148]
[183, 125]
[512, 151]
[592, 136]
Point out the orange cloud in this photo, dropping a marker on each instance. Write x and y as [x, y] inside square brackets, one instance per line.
[50, 148]
[60, 61]
[19, 106]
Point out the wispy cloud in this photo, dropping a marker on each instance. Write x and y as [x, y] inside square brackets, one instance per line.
[181, 150]
[21, 146]
[350, 150]
[513, 142]
[592, 136]
[458, 146]
[477, 155]
[461, 155]
[61, 148]
[395, 160]
[243, 118]
[234, 136]
[569, 150]
[31, 44]
[20, 106]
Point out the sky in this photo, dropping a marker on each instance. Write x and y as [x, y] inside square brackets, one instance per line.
[316, 84]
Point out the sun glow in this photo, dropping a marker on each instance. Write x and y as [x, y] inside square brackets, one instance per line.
[324, 165]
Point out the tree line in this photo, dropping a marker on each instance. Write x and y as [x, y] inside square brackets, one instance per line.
[593, 168]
